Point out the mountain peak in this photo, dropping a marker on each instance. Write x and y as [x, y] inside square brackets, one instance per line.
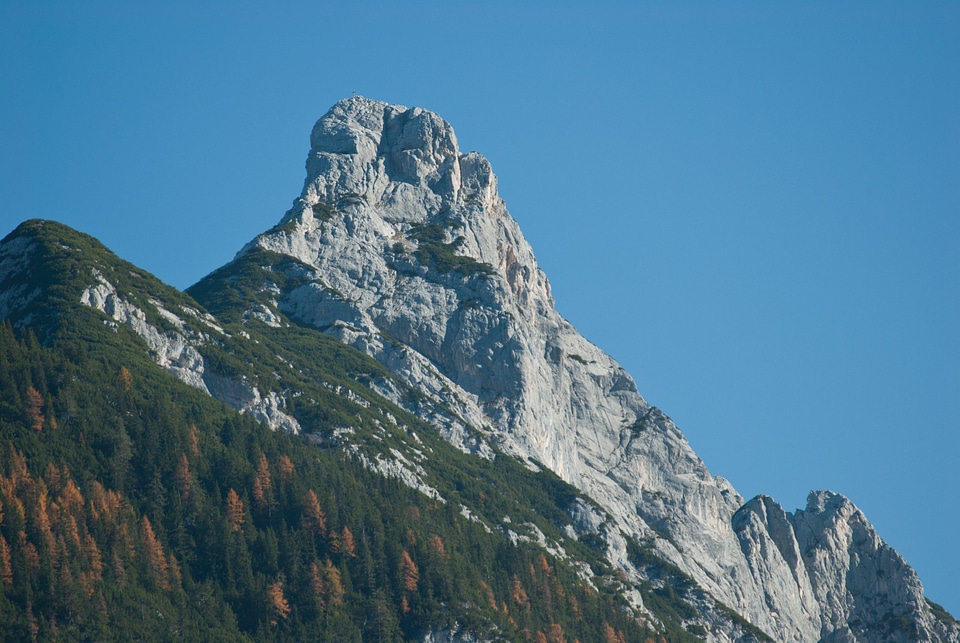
[400, 247]
[373, 152]
[404, 250]
[353, 123]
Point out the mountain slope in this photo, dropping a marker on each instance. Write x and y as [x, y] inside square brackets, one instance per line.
[407, 253]
[272, 534]
[394, 326]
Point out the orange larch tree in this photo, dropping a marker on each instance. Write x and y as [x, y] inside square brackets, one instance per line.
[278, 602]
[184, 478]
[347, 546]
[126, 379]
[235, 513]
[286, 469]
[313, 516]
[409, 572]
[194, 440]
[519, 594]
[262, 485]
[157, 565]
[6, 569]
[35, 409]
[263, 473]
[326, 584]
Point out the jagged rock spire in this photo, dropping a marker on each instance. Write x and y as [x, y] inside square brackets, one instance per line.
[388, 154]
[485, 341]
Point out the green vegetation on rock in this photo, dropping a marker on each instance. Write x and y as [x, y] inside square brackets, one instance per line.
[137, 507]
[434, 251]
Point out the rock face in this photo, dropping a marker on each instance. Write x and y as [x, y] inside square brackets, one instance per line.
[825, 566]
[402, 248]
[176, 352]
[416, 261]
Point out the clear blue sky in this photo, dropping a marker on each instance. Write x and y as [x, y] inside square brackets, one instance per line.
[754, 206]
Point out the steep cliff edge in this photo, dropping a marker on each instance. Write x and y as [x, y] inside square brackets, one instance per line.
[405, 251]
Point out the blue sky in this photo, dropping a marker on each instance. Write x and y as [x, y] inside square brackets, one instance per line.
[754, 206]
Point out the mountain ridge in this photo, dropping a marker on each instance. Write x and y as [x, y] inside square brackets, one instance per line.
[400, 247]
[355, 431]
[383, 167]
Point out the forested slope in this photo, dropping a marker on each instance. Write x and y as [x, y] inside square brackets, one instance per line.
[137, 507]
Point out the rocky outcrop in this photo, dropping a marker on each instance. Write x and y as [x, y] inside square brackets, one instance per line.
[243, 396]
[416, 261]
[176, 352]
[826, 569]
[401, 247]
[420, 265]
[173, 351]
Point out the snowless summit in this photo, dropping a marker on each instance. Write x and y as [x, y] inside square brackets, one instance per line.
[417, 262]
[400, 246]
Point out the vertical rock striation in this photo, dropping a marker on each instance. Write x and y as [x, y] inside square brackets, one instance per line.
[415, 260]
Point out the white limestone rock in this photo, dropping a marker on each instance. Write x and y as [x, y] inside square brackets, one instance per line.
[402, 469]
[171, 350]
[486, 342]
[770, 547]
[243, 396]
[453, 635]
[418, 263]
[826, 569]
[865, 590]
[175, 351]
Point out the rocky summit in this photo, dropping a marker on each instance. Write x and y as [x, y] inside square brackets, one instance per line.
[397, 314]
[413, 259]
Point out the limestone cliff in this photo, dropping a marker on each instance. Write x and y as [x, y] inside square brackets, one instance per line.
[414, 259]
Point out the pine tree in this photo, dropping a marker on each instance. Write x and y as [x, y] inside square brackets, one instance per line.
[52, 477]
[30, 552]
[119, 571]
